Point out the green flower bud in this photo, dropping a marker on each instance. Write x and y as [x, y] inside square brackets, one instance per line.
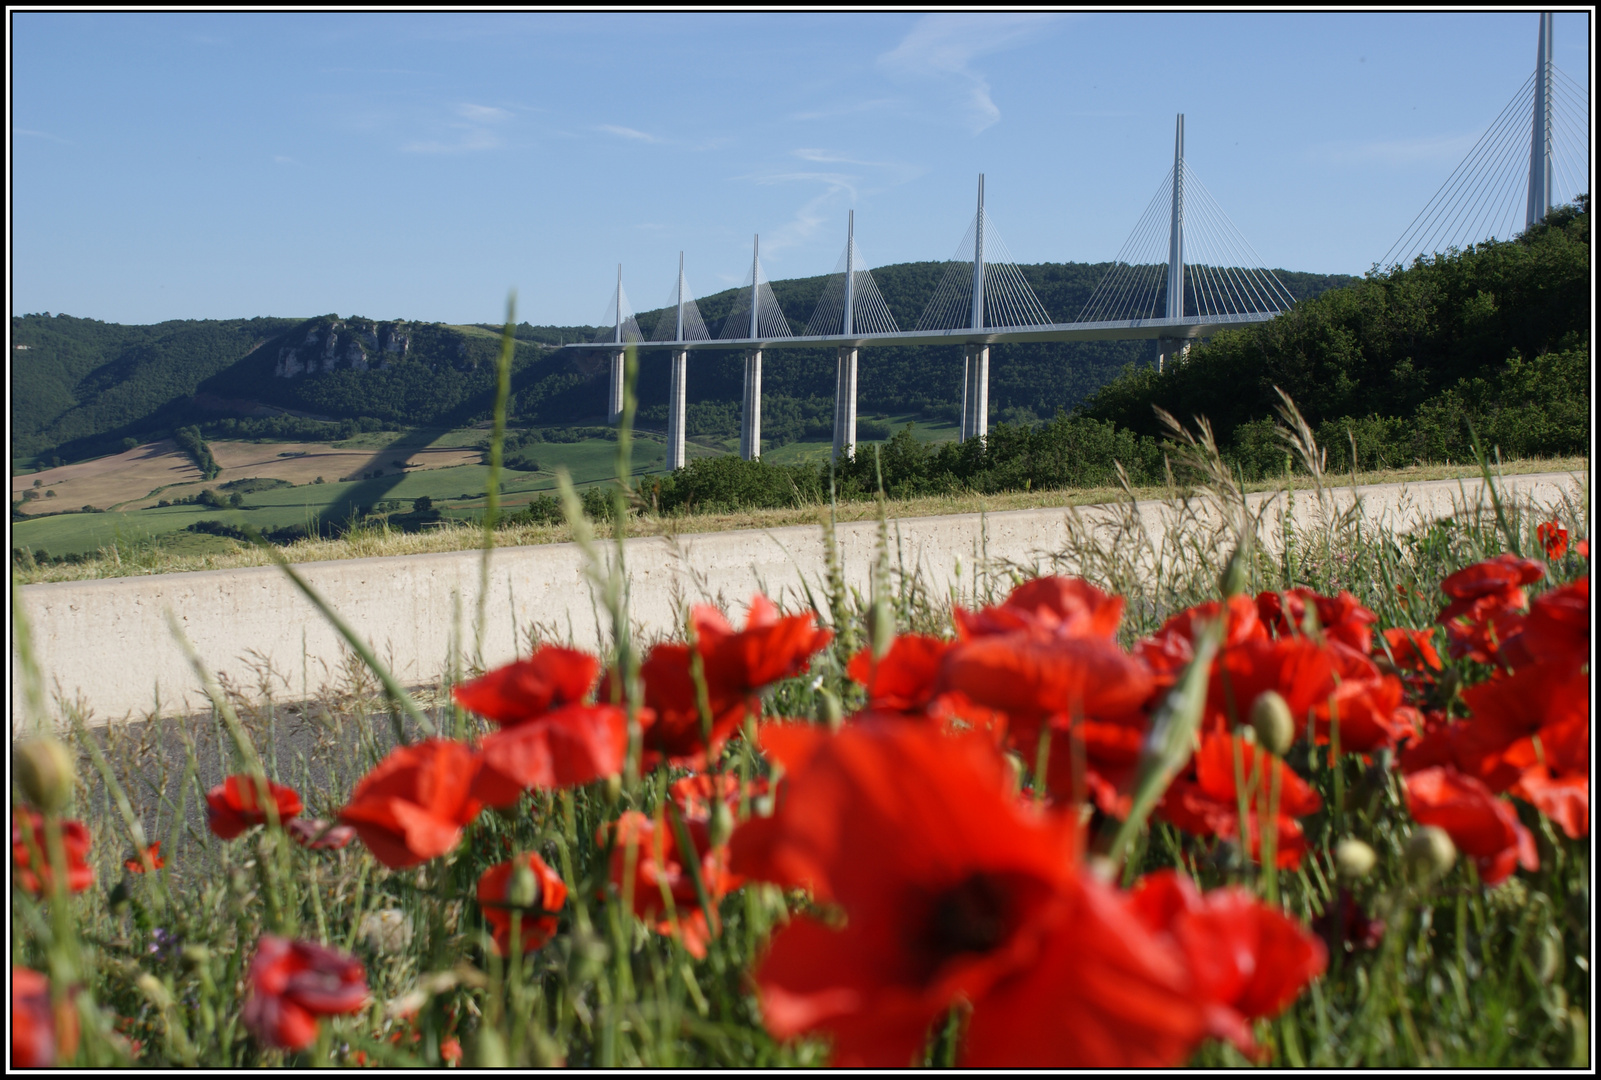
[722, 823]
[1430, 853]
[45, 772]
[883, 627]
[195, 956]
[523, 888]
[1272, 722]
[614, 789]
[1353, 859]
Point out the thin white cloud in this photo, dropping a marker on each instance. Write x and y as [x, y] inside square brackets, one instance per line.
[630, 133]
[482, 114]
[41, 135]
[477, 127]
[941, 49]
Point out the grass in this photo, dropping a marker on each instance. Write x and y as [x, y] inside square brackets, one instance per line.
[1463, 975]
[150, 542]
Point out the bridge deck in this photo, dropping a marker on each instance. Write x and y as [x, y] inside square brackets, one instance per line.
[1119, 330]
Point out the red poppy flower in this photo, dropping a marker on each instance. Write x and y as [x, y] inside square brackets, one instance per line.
[549, 679]
[1029, 675]
[137, 865]
[574, 745]
[1499, 579]
[40, 1034]
[1170, 650]
[1508, 711]
[1565, 799]
[1204, 799]
[1342, 618]
[1110, 758]
[737, 665]
[904, 682]
[1367, 703]
[1482, 826]
[951, 890]
[659, 865]
[1298, 668]
[36, 879]
[234, 805]
[1557, 629]
[905, 678]
[536, 915]
[1247, 960]
[1553, 538]
[771, 647]
[1413, 650]
[414, 804]
[694, 794]
[292, 983]
[1068, 607]
[316, 835]
[1584, 548]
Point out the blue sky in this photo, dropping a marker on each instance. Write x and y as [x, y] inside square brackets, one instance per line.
[416, 165]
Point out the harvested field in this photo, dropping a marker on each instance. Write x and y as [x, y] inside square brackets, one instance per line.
[138, 478]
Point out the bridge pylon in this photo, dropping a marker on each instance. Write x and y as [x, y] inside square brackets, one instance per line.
[1540, 140]
[1175, 349]
[976, 358]
[750, 416]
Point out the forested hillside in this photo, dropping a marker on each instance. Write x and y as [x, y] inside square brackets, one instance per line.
[1497, 336]
[82, 387]
[81, 379]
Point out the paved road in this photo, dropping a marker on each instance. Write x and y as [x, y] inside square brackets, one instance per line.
[107, 641]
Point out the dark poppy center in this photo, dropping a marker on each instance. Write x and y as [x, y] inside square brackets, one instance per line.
[970, 917]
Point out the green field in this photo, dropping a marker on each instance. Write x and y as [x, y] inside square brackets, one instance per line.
[458, 491]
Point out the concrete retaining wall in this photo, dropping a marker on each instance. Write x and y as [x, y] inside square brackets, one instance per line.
[106, 642]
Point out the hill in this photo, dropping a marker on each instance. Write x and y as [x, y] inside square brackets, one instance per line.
[82, 388]
[1496, 336]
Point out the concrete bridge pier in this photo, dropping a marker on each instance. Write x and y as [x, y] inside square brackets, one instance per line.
[614, 389]
[675, 410]
[845, 405]
[975, 392]
[750, 419]
[1171, 351]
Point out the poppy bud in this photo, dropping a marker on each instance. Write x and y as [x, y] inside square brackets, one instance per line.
[1272, 722]
[722, 823]
[883, 627]
[523, 889]
[1353, 859]
[45, 772]
[1430, 853]
[833, 712]
[614, 789]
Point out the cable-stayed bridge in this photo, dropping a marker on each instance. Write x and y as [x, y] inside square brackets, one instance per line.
[1184, 273]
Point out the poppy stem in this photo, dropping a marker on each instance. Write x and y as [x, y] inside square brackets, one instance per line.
[1170, 741]
[1042, 757]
